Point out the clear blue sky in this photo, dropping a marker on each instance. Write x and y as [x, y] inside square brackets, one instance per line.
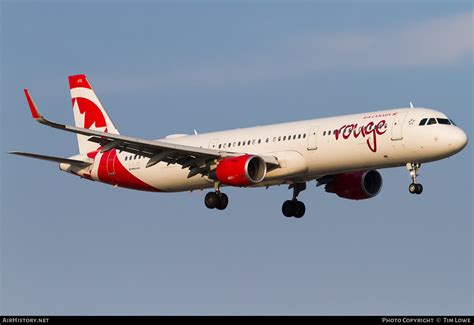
[70, 246]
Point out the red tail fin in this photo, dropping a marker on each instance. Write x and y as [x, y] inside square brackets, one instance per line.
[88, 112]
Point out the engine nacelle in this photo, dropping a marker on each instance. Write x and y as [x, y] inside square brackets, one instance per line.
[357, 185]
[243, 170]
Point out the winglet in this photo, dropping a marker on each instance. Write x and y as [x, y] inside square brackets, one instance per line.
[34, 111]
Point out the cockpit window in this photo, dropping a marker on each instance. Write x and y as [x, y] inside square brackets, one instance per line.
[452, 122]
[431, 121]
[443, 121]
[423, 121]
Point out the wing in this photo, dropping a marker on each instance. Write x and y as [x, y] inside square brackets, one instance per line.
[198, 160]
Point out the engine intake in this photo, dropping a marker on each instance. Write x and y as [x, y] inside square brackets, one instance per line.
[243, 170]
[356, 185]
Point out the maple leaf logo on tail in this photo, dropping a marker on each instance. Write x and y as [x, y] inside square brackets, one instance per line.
[91, 114]
[88, 112]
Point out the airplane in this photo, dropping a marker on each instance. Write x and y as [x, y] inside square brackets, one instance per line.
[341, 153]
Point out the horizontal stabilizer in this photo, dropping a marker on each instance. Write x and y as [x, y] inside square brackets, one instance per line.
[54, 159]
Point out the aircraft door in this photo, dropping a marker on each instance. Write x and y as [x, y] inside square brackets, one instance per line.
[397, 126]
[111, 156]
[313, 138]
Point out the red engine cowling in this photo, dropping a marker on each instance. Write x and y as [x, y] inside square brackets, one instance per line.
[357, 185]
[243, 170]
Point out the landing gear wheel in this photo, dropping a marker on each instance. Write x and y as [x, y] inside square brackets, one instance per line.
[211, 200]
[222, 202]
[299, 209]
[419, 189]
[413, 188]
[287, 208]
[293, 207]
[214, 200]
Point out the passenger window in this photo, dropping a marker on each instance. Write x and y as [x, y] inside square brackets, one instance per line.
[279, 138]
[443, 121]
[259, 141]
[284, 138]
[299, 136]
[304, 135]
[253, 141]
[229, 144]
[431, 121]
[274, 139]
[234, 144]
[423, 121]
[267, 140]
[324, 133]
[329, 132]
[238, 143]
[126, 158]
[220, 146]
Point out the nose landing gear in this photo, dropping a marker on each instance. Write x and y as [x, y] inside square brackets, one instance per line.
[414, 187]
[293, 207]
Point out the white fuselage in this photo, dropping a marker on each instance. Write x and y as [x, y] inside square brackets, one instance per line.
[310, 149]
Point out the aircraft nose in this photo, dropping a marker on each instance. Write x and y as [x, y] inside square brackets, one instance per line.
[457, 139]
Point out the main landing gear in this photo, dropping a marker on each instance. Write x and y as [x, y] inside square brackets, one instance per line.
[293, 207]
[414, 187]
[216, 200]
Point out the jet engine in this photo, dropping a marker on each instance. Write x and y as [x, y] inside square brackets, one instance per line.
[356, 185]
[240, 171]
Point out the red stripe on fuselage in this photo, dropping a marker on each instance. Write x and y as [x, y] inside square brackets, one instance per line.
[112, 172]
